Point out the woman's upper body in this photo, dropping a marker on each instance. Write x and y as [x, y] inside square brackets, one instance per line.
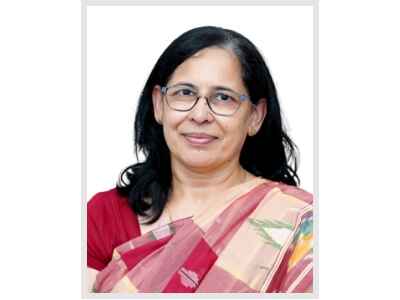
[208, 122]
[112, 218]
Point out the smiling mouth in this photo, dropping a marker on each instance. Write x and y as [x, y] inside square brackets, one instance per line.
[199, 138]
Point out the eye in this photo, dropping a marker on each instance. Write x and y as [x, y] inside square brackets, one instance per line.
[222, 97]
[184, 92]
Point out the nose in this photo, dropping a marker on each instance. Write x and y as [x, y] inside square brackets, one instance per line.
[201, 113]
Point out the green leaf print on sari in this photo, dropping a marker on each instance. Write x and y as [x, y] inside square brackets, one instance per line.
[274, 232]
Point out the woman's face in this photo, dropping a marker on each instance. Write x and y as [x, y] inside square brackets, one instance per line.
[198, 138]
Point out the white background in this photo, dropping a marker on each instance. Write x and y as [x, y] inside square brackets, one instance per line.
[124, 44]
[40, 221]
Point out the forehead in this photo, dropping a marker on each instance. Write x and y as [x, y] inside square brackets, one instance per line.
[209, 67]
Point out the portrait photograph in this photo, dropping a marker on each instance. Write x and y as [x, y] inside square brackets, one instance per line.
[199, 157]
[183, 149]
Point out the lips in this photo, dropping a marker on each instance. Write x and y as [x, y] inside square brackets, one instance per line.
[199, 138]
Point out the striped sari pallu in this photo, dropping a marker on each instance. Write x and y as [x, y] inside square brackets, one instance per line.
[257, 239]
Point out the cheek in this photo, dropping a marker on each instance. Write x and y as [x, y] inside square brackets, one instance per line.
[171, 123]
[169, 134]
[235, 136]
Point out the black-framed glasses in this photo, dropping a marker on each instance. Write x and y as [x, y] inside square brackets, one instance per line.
[221, 101]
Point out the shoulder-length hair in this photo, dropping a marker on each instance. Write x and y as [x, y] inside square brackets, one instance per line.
[270, 153]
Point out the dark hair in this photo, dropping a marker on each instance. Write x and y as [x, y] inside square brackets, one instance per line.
[269, 154]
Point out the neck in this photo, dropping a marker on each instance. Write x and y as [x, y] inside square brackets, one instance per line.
[194, 188]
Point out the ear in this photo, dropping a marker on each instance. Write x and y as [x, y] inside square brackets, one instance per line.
[157, 104]
[257, 116]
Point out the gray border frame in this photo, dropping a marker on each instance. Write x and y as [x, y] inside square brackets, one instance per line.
[199, 2]
[84, 292]
[84, 4]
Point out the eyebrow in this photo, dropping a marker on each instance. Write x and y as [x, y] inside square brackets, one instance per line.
[217, 87]
[185, 84]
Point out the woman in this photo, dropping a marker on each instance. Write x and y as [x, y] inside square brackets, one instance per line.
[214, 207]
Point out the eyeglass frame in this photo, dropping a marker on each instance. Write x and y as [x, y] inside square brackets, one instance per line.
[242, 98]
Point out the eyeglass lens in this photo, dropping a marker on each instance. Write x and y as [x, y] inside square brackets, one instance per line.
[183, 98]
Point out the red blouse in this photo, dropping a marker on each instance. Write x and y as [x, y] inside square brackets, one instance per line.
[110, 222]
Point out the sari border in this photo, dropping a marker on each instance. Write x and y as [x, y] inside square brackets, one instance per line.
[282, 252]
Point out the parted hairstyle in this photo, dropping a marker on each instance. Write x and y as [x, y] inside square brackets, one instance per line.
[270, 153]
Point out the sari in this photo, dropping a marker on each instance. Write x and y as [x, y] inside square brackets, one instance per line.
[257, 238]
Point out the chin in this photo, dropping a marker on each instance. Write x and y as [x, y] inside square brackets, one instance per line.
[198, 162]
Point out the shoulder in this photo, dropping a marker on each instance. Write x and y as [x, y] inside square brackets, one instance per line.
[290, 197]
[289, 203]
[110, 209]
[110, 222]
[109, 204]
[103, 210]
[110, 212]
[295, 192]
[106, 200]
